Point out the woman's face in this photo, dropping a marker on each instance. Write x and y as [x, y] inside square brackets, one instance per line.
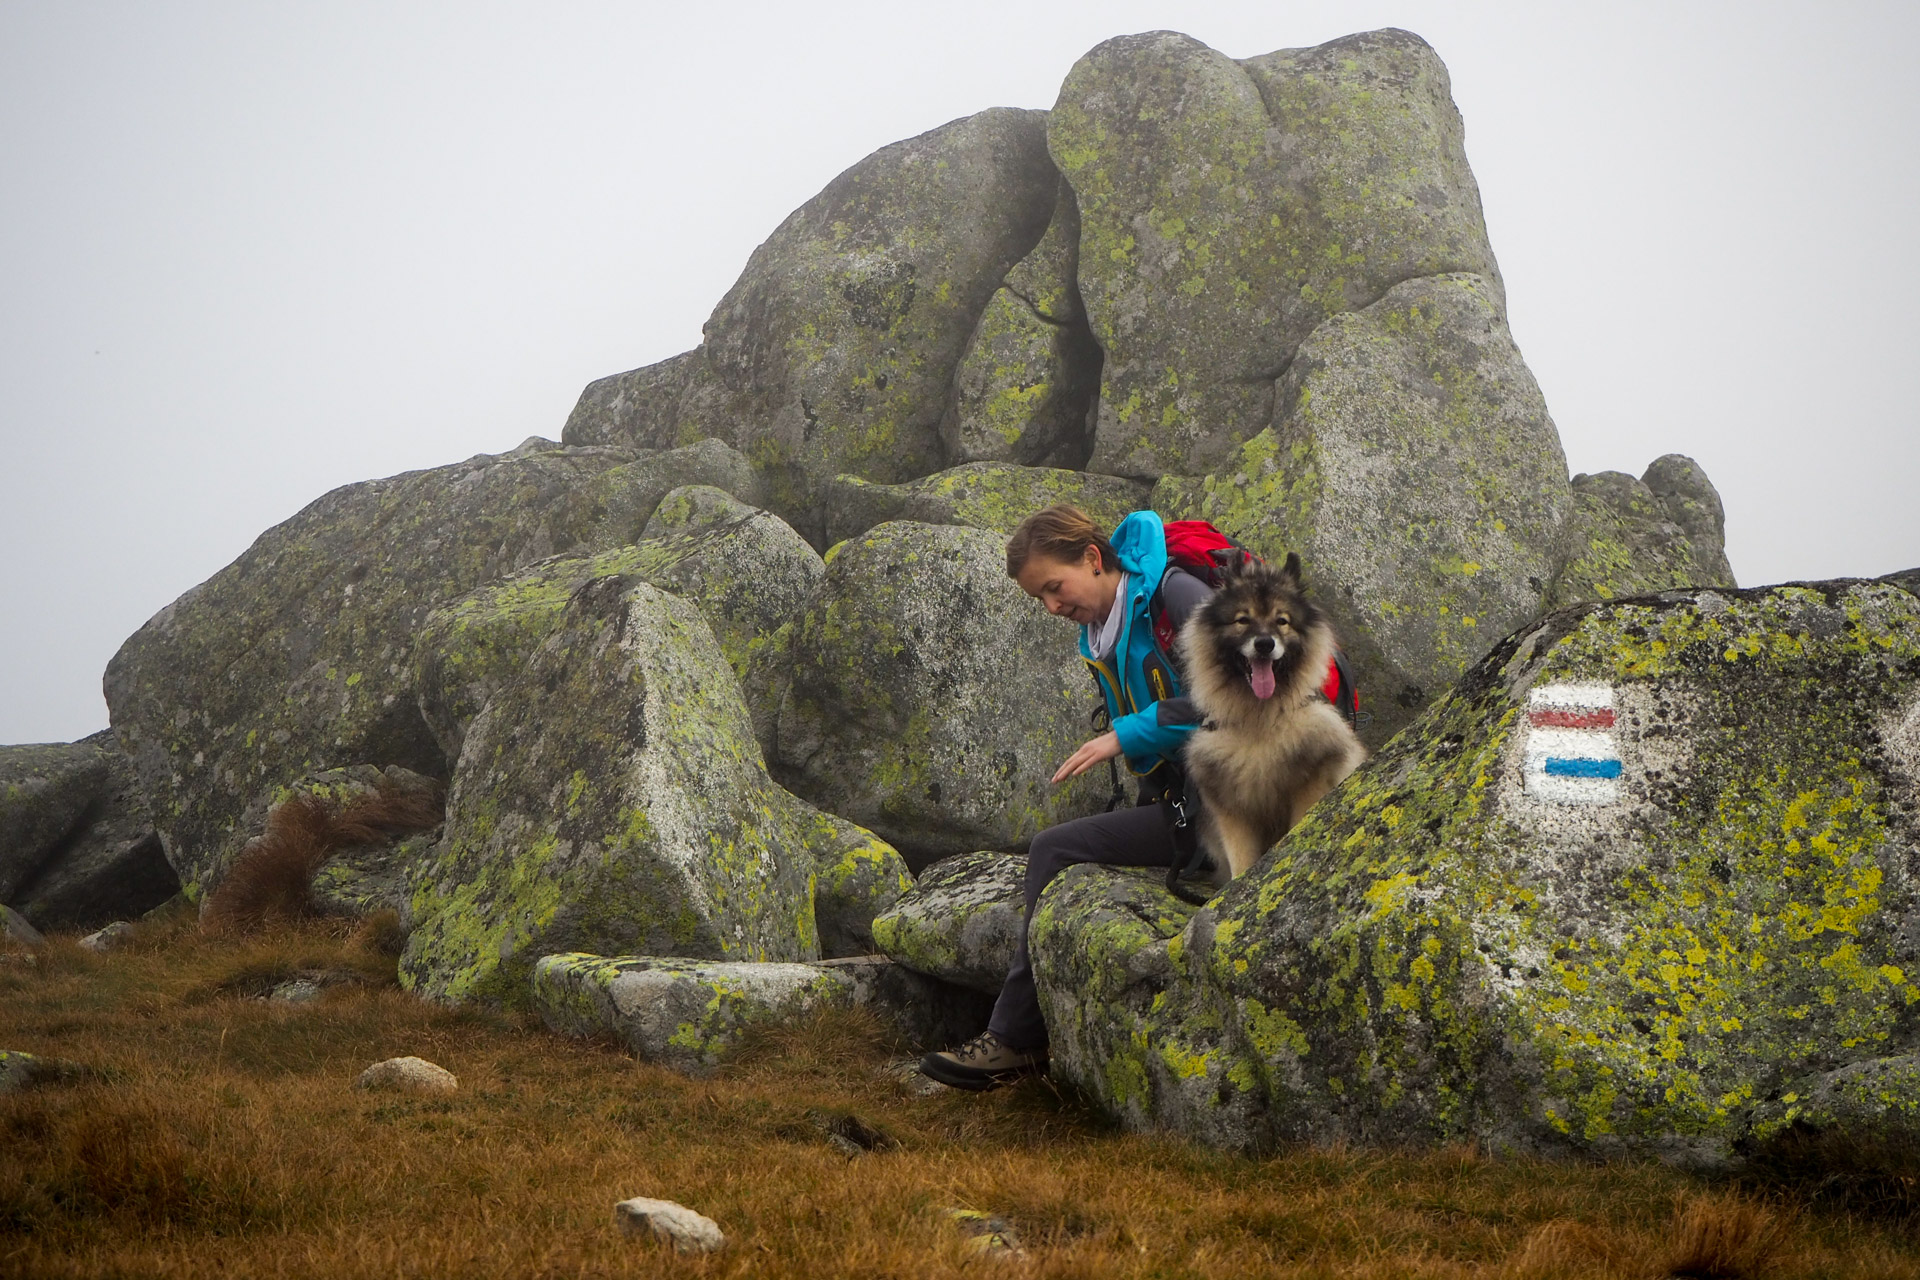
[1080, 591]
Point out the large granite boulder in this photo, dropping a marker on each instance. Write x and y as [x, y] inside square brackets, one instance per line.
[1622, 538]
[1647, 878]
[1024, 391]
[961, 920]
[634, 490]
[611, 798]
[1229, 208]
[1415, 470]
[747, 570]
[110, 866]
[835, 349]
[931, 700]
[46, 792]
[299, 655]
[984, 495]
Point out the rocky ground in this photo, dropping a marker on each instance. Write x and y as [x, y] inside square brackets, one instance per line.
[209, 1123]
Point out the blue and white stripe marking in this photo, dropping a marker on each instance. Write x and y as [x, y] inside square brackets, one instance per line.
[1571, 755]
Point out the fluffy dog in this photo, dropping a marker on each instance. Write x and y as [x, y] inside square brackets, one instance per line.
[1255, 657]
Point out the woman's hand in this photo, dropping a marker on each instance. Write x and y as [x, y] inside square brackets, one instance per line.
[1093, 752]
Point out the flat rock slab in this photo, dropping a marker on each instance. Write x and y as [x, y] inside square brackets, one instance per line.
[111, 938]
[410, 1075]
[686, 1014]
[961, 920]
[675, 1224]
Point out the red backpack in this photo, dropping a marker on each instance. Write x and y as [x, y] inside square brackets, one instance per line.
[1205, 552]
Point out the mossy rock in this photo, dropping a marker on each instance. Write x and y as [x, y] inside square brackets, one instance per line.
[1624, 539]
[982, 495]
[1229, 208]
[46, 793]
[931, 700]
[961, 920]
[685, 1014]
[611, 798]
[747, 569]
[299, 655]
[1025, 388]
[836, 348]
[1417, 473]
[1644, 880]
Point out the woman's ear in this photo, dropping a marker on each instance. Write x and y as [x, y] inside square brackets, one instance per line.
[1092, 558]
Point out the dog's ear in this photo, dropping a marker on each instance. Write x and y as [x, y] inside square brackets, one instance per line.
[1291, 570]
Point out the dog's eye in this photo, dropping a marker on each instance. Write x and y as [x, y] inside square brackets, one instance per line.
[1284, 620]
[1243, 620]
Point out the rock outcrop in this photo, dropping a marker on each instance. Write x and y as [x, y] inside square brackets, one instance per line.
[611, 798]
[747, 570]
[1229, 208]
[931, 700]
[108, 866]
[46, 790]
[1640, 881]
[835, 350]
[981, 495]
[1625, 537]
[299, 655]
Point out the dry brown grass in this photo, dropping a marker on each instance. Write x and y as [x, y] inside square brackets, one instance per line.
[271, 881]
[222, 1137]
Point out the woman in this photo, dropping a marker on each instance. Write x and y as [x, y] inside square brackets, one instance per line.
[1060, 558]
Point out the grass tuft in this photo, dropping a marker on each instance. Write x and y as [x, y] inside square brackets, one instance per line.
[272, 879]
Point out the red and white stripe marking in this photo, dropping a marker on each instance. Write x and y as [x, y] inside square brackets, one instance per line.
[1571, 756]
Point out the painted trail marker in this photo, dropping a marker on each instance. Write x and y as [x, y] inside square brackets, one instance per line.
[1571, 755]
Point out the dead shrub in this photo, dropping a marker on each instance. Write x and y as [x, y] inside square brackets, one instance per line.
[272, 879]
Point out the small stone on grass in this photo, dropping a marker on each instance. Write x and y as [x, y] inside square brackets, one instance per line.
[687, 1231]
[415, 1075]
[109, 938]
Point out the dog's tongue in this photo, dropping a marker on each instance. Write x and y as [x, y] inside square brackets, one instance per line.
[1260, 676]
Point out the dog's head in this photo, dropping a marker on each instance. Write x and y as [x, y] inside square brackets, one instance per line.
[1259, 626]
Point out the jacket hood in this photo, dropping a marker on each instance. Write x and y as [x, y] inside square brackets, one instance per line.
[1141, 543]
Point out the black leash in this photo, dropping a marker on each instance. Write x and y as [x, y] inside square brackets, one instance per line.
[1183, 829]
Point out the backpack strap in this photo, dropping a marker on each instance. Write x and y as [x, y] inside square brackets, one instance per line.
[1347, 701]
[1102, 720]
[1181, 810]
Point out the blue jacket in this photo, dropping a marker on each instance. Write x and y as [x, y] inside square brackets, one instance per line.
[1141, 685]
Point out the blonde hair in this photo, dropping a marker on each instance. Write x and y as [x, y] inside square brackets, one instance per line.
[1061, 533]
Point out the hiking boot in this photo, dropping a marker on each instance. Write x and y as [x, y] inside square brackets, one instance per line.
[983, 1062]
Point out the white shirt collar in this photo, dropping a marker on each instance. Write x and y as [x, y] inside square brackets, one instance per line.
[1102, 642]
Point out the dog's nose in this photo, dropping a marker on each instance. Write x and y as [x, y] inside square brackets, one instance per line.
[1264, 646]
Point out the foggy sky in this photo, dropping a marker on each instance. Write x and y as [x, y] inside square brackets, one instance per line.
[249, 252]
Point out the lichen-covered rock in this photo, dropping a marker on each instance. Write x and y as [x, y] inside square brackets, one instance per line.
[856, 877]
[1418, 475]
[634, 490]
[684, 1014]
[749, 572]
[1025, 388]
[46, 792]
[961, 920]
[299, 655]
[1645, 879]
[110, 865]
[1622, 539]
[1229, 208]
[983, 495]
[927, 1012]
[612, 798]
[835, 349]
[20, 1071]
[931, 700]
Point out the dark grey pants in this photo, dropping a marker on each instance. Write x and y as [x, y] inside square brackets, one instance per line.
[1134, 837]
